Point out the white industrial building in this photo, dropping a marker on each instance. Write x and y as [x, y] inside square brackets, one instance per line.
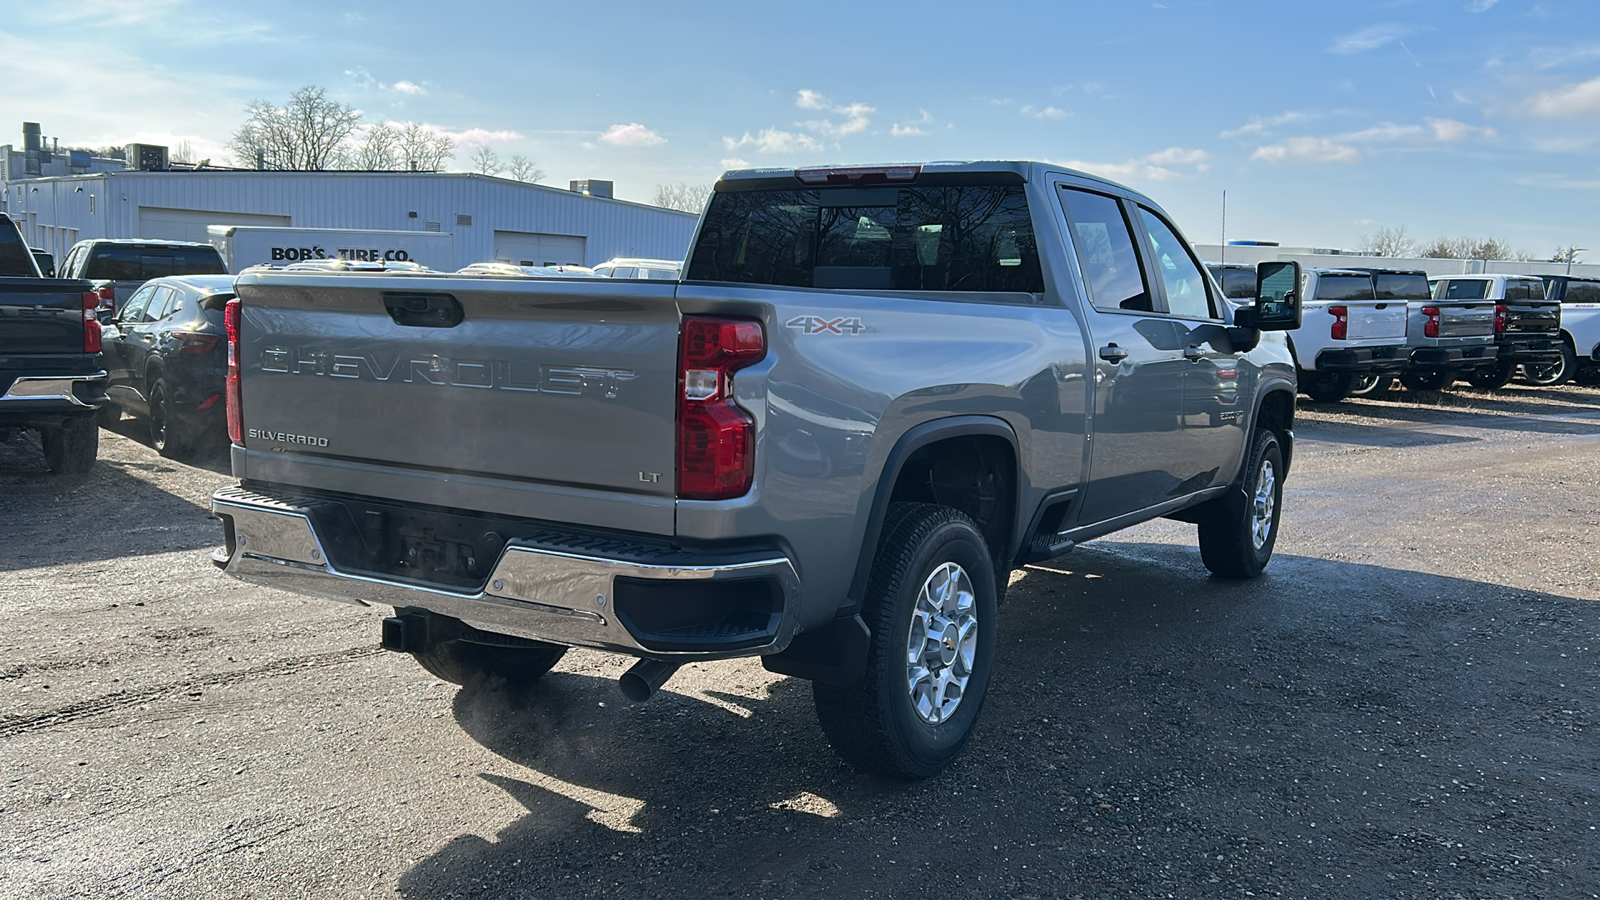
[58, 199]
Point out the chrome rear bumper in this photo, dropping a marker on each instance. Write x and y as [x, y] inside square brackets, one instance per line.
[544, 594]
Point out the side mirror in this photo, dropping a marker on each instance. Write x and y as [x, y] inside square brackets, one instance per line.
[1277, 296]
[103, 314]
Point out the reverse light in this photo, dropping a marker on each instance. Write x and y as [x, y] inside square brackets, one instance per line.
[230, 324]
[91, 322]
[1500, 318]
[716, 438]
[1341, 322]
[1431, 327]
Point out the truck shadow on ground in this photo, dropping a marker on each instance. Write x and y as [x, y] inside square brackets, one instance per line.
[211, 456]
[109, 513]
[1539, 419]
[1407, 732]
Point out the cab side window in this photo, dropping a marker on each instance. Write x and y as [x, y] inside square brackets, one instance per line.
[1105, 247]
[1187, 295]
[160, 302]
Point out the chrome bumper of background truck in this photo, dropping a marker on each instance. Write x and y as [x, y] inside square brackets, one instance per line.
[533, 592]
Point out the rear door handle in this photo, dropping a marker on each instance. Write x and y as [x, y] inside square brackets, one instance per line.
[1193, 353]
[1113, 353]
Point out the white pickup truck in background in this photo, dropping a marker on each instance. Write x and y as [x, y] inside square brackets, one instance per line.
[1580, 333]
[1346, 333]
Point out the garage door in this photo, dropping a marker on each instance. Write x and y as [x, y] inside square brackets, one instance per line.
[190, 224]
[526, 248]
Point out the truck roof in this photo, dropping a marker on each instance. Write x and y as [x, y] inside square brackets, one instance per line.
[1020, 170]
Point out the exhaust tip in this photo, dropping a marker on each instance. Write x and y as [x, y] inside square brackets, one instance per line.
[644, 678]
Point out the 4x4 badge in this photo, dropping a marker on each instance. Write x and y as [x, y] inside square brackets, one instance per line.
[819, 325]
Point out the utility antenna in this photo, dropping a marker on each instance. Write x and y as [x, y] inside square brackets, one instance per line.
[1224, 258]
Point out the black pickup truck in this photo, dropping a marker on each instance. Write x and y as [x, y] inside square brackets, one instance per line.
[51, 376]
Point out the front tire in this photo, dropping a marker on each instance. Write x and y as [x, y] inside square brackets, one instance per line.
[1492, 378]
[166, 434]
[1418, 382]
[1236, 539]
[1371, 385]
[930, 608]
[1326, 387]
[71, 447]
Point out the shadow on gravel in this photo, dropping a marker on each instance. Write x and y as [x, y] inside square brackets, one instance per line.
[1498, 417]
[1331, 729]
[213, 455]
[109, 513]
[1375, 435]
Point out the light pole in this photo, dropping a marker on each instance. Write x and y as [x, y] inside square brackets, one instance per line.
[1571, 252]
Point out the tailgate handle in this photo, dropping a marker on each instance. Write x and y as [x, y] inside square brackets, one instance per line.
[423, 310]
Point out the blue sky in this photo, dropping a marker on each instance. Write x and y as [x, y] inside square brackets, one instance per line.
[1322, 121]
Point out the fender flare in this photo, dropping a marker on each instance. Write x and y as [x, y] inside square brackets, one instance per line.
[913, 440]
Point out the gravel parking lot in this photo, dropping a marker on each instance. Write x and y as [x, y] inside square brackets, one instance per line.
[1404, 706]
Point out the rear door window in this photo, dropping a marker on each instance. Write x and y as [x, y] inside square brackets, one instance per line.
[624, 272]
[1456, 289]
[160, 303]
[1105, 247]
[133, 310]
[1582, 292]
[969, 238]
[15, 260]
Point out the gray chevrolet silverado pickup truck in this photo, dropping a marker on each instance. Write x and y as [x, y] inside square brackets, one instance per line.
[875, 393]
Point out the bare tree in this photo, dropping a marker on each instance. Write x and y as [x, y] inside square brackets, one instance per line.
[523, 169]
[182, 152]
[422, 150]
[307, 133]
[378, 149]
[487, 162]
[1470, 248]
[1567, 254]
[684, 196]
[1388, 242]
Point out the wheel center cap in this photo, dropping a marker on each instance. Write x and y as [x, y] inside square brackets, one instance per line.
[947, 644]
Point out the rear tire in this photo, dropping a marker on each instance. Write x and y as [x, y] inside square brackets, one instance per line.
[71, 447]
[931, 611]
[476, 665]
[1556, 373]
[1236, 538]
[1492, 378]
[1326, 387]
[167, 436]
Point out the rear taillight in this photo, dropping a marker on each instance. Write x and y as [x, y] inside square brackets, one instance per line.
[108, 295]
[1499, 318]
[1431, 328]
[1341, 322]
[230, 323]
[196, 343]
[716, 438]
[91, 322]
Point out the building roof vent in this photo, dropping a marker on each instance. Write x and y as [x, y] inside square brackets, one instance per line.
[593, 187]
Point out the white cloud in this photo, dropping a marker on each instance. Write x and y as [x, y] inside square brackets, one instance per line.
[408, 88]
[811, 100]
[1445, 130]
[734, 162]
[1261, 125]
[1307, 149]
[471, 137]
[855, 121]
[1368, 39]
[1383, 133]
[1157, 166]
[631, 135]
[772, 140]
[912, 129]
[1567, 101]
[1050, 112]
[1478, 6]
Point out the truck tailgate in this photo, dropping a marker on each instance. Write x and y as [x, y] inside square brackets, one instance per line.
[1542, 318]
[1382, 322]
[568, 383]
[1464, 319]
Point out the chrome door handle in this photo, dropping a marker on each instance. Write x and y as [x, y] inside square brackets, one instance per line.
[1113, 353]
[1194, 353]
